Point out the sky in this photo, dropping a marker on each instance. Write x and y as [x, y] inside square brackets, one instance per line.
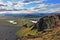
[29, 6]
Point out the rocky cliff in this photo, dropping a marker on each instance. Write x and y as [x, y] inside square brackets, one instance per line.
[47, 28]
[48, 22]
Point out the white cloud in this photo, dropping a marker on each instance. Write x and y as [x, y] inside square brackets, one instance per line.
[1, 2]
[42, 6]
[47, 5]
[31, 1]
[20, 5]
[55, 10]
[1, 12]
[46, 8]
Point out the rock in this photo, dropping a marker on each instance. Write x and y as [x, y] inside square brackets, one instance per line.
[48, 22]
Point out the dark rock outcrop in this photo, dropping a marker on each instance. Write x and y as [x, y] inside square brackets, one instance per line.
[48, 22]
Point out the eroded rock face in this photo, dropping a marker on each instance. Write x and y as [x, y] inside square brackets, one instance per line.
[48, 22]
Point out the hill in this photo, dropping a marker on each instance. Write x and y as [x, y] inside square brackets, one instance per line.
[47, 28]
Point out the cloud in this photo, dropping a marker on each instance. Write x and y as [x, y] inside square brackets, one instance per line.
[48, 8]
[27, 1]
[1, 2]
[1, 12]
[18, 7]
[55, 10]
[47, 5]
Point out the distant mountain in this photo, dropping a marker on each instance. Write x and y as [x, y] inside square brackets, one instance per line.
[29, 15]
[25, 15]
[1, 14]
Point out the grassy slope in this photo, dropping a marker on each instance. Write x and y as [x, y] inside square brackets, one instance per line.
[53, 34]
[21, 21]
[48, 34]
[25, 31]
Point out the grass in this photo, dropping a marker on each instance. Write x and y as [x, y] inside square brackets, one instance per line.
[24, 31]
[21, 21]
[54, 34]
[33, 32]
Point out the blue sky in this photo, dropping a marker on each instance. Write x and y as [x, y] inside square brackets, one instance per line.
[48, 1]
[31, 6]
